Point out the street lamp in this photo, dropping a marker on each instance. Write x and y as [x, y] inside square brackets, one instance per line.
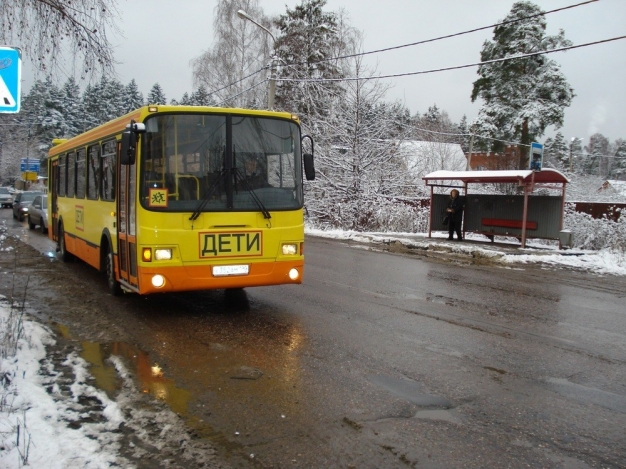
[571, 147]
[272, 87]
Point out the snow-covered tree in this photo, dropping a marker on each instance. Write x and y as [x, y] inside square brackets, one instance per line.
[103, 102]
[556, 152]
[238, 60]
[200, 97]
[41, 28]
[309, 39]
[577, 155]
[185, 100]
[132, 97]
[73, 111]
[43, 114]
[156, 95]
[595, 160]
[464, 137]
[618, 167]
[521, 96]
[360, 172]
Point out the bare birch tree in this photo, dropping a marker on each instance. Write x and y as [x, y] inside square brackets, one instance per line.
[45, 30]
[234, 70]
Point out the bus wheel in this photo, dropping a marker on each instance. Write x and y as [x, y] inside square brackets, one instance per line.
[65, 256]
[109, 270]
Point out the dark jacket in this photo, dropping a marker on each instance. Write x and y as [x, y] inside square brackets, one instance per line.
[457, 205]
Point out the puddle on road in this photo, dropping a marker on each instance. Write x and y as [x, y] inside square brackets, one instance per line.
[241, 374]
[150, 377]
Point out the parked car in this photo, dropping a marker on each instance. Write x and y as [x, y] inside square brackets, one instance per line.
[6, 198]
[21, 203]
[38, 213]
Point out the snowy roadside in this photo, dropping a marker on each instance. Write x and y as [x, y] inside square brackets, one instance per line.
[52, 416]
[597, 262]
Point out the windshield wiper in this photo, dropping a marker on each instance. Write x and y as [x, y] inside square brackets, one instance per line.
[200, 207]
[239, 177]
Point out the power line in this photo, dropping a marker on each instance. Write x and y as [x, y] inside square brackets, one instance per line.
[448, 36]
[457, 67]
[238, 81]
[408, 45]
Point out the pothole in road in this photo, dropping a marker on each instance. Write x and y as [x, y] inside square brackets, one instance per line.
[410, 391]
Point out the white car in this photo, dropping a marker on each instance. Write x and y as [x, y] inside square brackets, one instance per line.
[6, 198]
[38, 213]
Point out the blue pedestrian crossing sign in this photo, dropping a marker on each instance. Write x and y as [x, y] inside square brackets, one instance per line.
[10, 79]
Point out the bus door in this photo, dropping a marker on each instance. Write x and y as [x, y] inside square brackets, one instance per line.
[126, 233]
[53, 219]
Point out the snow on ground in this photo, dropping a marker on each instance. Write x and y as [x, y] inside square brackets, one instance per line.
[35, 410]
[503, 252]
[33, 421]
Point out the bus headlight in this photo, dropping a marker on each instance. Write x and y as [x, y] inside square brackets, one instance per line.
[290, 249]
[294, 274]
[162, 254]
[158, 281]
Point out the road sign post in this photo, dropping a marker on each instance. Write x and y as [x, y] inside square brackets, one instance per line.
[10, 79]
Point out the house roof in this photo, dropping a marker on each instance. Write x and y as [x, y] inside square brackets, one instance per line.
[545, 176]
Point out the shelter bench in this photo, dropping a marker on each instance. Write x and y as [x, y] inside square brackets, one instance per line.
[504, 223]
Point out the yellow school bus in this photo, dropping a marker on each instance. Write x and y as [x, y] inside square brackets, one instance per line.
[182, 198]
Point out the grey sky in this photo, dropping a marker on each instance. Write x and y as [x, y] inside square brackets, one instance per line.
[151, 52]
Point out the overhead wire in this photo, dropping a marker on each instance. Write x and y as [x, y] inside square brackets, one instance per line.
[456, 67]
[447, 36]
[411, 44]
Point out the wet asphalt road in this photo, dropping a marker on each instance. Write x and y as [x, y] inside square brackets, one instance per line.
[384, 360]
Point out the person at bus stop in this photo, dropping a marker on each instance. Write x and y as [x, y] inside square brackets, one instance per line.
[456, 204]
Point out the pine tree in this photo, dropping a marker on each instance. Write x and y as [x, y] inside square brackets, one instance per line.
[309, 36]
[72, 109]
[185, 100]
[43, 114]
[577, 156]
[618, 168]
[133, 98]
[200, 97]
[521, 96]
[156, 95]
[595, 161]
[464, 137]
[556, 152]
[91, 106]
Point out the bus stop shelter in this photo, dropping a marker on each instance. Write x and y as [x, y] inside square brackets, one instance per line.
[520, 216]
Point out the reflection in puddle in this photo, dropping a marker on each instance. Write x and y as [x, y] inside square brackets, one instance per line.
[150, 377]
[239, 376]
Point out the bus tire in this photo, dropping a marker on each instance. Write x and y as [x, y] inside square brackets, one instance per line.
[109, 270]
[65, 255]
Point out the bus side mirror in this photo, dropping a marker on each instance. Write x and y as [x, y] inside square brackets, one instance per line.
[309, 166]
[129, 147]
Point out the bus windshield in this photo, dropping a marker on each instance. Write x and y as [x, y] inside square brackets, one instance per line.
[211, 162]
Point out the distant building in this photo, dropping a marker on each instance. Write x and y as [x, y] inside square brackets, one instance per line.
[614, 187]
[483, 161]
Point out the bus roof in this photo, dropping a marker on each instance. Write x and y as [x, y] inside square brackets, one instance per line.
[116, 126]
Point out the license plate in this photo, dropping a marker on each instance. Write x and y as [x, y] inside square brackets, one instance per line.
[223, 270]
